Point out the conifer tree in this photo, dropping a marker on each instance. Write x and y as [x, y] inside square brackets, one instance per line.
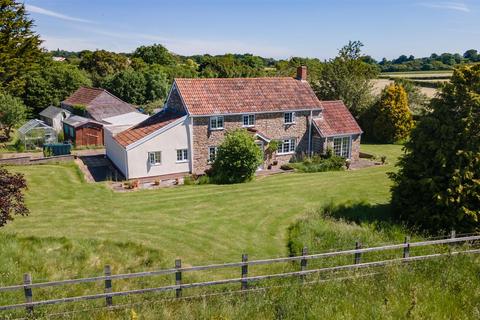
[19, 46]
[393, 119]
[438, 185]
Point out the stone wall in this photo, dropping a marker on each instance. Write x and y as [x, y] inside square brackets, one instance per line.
[21, 161]
[269, 124]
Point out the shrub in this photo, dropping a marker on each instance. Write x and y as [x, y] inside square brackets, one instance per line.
[237, 159]
[203, 180]
[188, 180]
[61, 136]
[47, 152]
[19, 145]
[392, 118]
[319, 164]
[287, 166]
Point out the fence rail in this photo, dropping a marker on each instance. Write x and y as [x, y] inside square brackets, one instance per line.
[244, 280]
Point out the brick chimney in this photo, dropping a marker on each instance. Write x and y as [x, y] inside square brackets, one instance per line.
[302, 73]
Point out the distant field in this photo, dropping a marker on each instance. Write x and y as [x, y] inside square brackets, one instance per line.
[426, 81]
[379, 84]
[417, 74]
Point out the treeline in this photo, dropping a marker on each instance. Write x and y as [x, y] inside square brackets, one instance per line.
[436, 62]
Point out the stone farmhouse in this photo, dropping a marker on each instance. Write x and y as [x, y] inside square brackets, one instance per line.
[183, 137]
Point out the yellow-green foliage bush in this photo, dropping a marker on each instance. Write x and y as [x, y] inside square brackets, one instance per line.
[392, 119]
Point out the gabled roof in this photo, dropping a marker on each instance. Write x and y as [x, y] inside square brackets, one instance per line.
[150, 125]
[51, 112]
[77, 121]
[336, 120]
[246, 95]
[99, 103]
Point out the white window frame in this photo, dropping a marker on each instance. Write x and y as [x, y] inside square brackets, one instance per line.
[214, 123]
[248, 117]
[183, 153]
[291, 142]
[345, 147]
[210, 160]
[292, 116]
[154, 161]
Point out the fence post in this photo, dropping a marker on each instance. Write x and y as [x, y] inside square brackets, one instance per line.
[406, 249]
[358, 255]
[27, 281]
[244, 271]
[453, 234]
[178, 277]
[108, 285]
[303, 262]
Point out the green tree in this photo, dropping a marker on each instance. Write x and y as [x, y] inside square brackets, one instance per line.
[101, 64]
[139, 87]
[19, 46]
[155, 54]
[52, 84]
[237, 158]
[347, 78]
[128, 85]
[438, 184]
[12, 113]
[157, 84]
[393, 119]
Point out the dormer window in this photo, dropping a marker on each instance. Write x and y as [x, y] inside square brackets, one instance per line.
[248, 120]
[216, 123]
[289, 117]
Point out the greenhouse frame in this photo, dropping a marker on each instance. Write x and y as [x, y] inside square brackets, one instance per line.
[35, 133]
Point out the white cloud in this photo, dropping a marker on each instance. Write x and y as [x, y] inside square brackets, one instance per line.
[454, 6]
[35, 9]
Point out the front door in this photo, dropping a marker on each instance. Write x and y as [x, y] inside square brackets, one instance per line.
[262, 151]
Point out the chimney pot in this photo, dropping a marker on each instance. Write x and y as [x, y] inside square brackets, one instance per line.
[302, 73]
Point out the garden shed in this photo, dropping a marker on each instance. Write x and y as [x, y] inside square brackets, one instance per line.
[36, 133]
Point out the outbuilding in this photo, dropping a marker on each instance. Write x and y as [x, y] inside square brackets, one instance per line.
[83, 131]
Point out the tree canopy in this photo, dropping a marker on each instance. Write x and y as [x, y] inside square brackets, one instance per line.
[54, 82]
[154, 54]
[19, 47]
[347, 78]
[139, 87]
[438, 185]
[12, 113]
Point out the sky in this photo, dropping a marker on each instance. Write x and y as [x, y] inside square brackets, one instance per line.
[270, 28]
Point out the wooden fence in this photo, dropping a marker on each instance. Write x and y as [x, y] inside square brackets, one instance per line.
[28, 286]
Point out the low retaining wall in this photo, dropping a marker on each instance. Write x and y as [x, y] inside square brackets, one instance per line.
[23, 161]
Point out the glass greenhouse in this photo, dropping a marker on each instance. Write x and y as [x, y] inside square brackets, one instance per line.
[35, 133]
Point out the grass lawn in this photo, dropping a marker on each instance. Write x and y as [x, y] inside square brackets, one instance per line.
[200, 224]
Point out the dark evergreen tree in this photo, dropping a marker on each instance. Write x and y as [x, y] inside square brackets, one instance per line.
[438, 185]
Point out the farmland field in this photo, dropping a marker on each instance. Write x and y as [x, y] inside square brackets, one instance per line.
[426, 81]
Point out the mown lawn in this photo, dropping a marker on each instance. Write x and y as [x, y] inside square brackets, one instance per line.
[200, 224]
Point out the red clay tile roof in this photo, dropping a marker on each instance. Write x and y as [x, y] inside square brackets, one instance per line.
[148, 126]
[336, 120]
[100, 103]
[246, 95]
